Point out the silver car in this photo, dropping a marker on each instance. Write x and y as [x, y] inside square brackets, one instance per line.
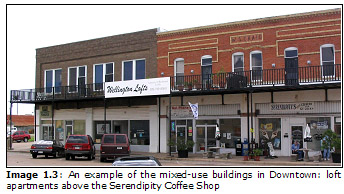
[136, 161]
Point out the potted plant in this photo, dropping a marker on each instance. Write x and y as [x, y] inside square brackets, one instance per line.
[246, 156]
[332, 141]
[182, 147]
[256, 154]
[197, 84]
[188, 85]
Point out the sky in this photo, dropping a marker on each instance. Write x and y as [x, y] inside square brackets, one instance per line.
[36, 26]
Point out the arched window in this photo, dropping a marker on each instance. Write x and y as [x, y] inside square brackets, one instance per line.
[179, 71]
[238, 62]
[327, 59]
[206, 65]
[256, 64]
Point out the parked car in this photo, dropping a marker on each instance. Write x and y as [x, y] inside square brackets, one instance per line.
[21, 136]
[136, 161]
[114, 145]
[80, 145]
[47, 148]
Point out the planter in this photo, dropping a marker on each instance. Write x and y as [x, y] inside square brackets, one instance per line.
[256, 158]
[246, 158]
[181, 88]
[198, 86]
[183, 153]
[336, 157]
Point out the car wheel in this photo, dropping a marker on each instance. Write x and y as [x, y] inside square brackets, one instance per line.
[73, 157]
[89, 157]
[67, 156]
[46, 156]
[102, 159]
[34, 155]
[25, 139]
[54, 155]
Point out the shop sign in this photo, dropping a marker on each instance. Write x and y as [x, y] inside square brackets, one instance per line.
[45, 111]
[300, 106]
[143, 87]
[181, 112]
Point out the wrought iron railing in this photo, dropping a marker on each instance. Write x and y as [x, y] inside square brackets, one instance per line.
[222, 81]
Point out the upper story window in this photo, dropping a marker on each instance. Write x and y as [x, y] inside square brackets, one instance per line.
[327, 59]
[53, 79]
[179, 71]
[206, 64]
[76, 78]
[103, 72]
[256, 63]
[238, 62]
[134, 69]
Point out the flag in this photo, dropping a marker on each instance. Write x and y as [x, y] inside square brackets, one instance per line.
[194, 108]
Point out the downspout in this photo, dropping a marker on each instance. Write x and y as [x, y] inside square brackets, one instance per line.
[159, 124]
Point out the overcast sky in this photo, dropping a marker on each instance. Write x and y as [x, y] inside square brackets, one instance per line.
[35, 26]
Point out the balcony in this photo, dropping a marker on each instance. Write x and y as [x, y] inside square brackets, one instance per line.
[311, 76]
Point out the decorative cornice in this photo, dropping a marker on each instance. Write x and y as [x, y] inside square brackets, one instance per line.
[250, 22]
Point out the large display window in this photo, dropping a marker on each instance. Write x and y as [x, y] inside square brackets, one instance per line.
[270, 131]
[139, 132]
[230, 130]
[317, 125]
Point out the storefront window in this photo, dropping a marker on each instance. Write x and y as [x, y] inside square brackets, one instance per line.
[338, 126]
[79, 127]
[139, 132]
[230, 130]
[270, 131]
[59, 130]
[318, 125]
[100, 130]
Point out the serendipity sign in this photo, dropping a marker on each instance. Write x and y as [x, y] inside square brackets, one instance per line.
[143, 87]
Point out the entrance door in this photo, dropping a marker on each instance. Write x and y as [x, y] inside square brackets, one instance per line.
[291, 67]
[297, 135]
[181, 133]
[48, 132]
[205, 137]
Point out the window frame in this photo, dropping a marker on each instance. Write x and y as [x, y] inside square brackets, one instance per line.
[103, 74]
[291, 49]
[321, 60]
[243, 61]
[175, 70]
[134, 68]
[77, 77]
[251, 67]
[53, 80]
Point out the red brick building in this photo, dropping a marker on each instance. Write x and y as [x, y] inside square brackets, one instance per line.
[260, 80]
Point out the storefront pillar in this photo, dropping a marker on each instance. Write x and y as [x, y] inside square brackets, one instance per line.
[52, 119]
[169, 119]
[248, 115]
[35, 130]
[105, 113]
[159, 123]
[10, 142]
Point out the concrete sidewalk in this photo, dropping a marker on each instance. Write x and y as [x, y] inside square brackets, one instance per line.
[234, 161]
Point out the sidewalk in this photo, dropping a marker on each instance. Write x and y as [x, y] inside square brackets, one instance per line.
[234, 161]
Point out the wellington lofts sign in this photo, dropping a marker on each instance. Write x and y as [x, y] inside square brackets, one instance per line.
[143, 87]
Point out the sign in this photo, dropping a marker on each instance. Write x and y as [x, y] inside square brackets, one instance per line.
[45, 111]
[181, 112]
[299, 106]
[143, 87]
[246, 38]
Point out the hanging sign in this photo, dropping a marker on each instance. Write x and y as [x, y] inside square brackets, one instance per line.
[142, 87]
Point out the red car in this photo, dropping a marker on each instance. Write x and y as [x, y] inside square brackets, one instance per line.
[80, 145]
[21, 136]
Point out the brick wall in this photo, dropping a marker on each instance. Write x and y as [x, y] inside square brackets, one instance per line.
[115, 49]
[271, 36]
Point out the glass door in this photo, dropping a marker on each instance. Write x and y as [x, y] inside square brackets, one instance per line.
[200, 139]
[205, 137]
[297, 135]
[211, 141]
[48, 133]
[181, 133]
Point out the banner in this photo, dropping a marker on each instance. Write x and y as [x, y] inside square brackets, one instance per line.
[194, 108]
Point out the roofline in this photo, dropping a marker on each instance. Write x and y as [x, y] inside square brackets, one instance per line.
[244, 22]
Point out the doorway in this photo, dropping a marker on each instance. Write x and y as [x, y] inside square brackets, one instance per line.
[297, 135]
[48, 132]
[205, 137]
[291, 66]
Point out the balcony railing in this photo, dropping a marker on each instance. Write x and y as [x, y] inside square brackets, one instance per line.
[222, 81]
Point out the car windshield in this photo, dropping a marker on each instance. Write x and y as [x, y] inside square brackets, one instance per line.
[77, 139]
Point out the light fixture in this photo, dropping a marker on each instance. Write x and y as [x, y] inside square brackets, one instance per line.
[273, 65]
[162, 74]
[309, 62]
[192, 71]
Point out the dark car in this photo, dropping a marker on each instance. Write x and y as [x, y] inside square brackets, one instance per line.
[114, 145]
[80, 145]
[136, 161]
[21, 136]
[47, 148]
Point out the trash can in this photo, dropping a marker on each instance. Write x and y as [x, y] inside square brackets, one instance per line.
[238, 150]
[245, 148]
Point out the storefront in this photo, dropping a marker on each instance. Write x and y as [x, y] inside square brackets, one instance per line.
[283, 123]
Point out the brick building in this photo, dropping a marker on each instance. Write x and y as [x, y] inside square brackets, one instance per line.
[261, 80]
